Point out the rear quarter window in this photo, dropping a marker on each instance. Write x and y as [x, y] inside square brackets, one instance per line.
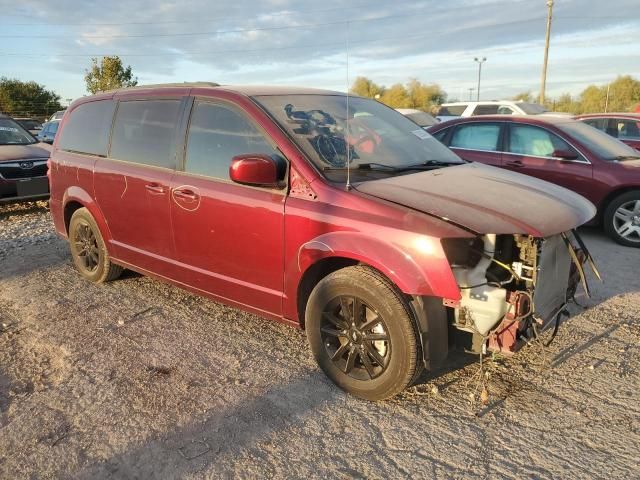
[144, 132]
[87, 128]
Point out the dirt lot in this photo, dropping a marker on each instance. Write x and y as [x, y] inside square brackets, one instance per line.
[137, 379]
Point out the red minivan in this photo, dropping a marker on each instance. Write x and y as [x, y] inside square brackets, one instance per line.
[329, 212]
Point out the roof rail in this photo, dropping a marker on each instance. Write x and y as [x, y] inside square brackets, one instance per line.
[166, 85]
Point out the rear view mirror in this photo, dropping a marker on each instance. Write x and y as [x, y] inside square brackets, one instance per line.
[565, 155]
[258, 170]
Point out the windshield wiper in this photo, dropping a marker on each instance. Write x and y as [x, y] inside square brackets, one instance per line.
[427, 165]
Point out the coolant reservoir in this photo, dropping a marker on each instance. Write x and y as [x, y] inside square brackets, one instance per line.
[483, 306]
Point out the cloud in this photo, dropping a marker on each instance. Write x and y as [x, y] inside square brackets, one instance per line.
[252, 40]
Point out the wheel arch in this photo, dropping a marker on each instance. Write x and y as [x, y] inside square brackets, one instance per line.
[75, 198]
[611, 196]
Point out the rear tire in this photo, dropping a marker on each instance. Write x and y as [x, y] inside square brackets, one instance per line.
[622, 219]
[88, 250]
[362, 333]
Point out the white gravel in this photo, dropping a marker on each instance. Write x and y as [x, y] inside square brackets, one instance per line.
[138, 379]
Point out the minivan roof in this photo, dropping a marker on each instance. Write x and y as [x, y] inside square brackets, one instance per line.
[249, 90]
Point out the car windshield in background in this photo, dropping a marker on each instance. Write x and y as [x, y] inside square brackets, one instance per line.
[422, 119]
[607, 147]
[532, 108]
[13, 134]
[372, 136]
[30, 124]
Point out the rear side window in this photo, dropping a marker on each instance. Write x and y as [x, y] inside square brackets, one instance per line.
[218, 133]
[476, 136]
[452, 110]
[87, 128]
[627, 129]
[535, 141]
[144, 132]
[599, 123]
[485, 110]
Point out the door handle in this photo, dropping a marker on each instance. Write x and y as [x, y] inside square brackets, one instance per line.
[185, 194]
[154, 188]
[515, 163]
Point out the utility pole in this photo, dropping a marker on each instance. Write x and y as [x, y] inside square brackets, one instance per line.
[470, 92]
[480, 62]
[546, 51]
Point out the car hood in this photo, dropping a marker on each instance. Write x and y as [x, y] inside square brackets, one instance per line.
[24, 152]
[485, 199]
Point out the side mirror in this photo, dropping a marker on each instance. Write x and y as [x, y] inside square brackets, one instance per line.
[564, 155]
[258, 170]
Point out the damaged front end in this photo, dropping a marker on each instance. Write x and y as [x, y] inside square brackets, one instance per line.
[513, 286]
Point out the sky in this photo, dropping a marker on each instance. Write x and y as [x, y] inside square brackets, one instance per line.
[324, 44]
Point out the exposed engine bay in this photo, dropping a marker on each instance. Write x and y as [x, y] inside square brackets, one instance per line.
[513, 286]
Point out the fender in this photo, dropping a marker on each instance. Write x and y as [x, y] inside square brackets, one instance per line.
[78, 194]
[415, 263]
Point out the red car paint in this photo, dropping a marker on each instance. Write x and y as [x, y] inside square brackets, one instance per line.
[608, 125]
[597, 179]
[253, 247]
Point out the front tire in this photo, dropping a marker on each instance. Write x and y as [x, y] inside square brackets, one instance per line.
[622, 219]
[88, 250]
[362, 334]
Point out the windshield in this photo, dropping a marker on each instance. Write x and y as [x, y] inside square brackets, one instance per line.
[603, 145]
[29, 124]
[422, 119]
[371, 134]
[13, 134]
[532, 108]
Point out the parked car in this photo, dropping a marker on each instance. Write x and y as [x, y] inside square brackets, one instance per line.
[57, 115]
[449, 111]
[418, 116]
[562, 151]
[354, 225]
[623, 126]
[48, 132]
[23, 164]
[32, 125]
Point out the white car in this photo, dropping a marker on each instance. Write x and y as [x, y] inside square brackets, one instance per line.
[449, 111]
[418, 116]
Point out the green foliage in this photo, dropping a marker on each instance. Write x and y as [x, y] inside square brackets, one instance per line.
[396, 96]
[108, 75]
[366, 88]
[624, 95]
[27, 99]
[414, 95]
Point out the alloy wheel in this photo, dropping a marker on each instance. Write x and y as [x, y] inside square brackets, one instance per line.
[86, 247]
[355, 338]
[626, 221]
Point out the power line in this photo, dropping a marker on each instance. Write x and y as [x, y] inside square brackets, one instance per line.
[169, 22]
[257, 29]
[244, 50]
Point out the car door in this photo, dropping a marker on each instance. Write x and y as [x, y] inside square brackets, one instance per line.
[534, 150]
[478, 142]
[133, 185]
[228, 237]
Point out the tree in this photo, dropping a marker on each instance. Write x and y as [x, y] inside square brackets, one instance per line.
[523, 96]
[366, 88]
[396, 97]
[423, 96]
[27, 99]
[108, 75]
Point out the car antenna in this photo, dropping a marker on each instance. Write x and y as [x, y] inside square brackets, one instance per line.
[347, 146]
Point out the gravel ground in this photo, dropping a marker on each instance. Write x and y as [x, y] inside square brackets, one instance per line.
[138, 379]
